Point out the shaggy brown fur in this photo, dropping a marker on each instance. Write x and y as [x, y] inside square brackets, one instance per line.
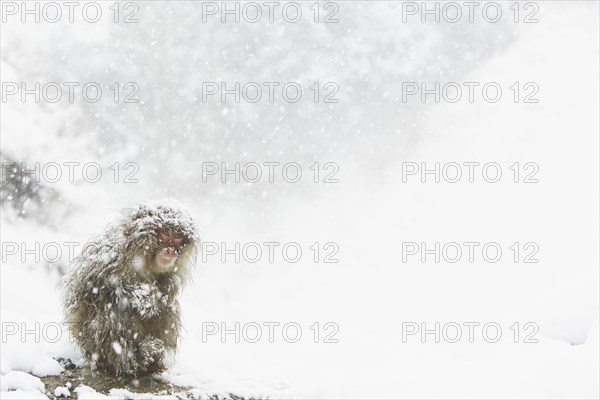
[122, 308]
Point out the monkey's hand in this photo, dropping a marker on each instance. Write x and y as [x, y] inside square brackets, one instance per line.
[150, 356]
[146, 299]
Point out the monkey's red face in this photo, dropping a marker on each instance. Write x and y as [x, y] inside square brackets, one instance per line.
[169, 246]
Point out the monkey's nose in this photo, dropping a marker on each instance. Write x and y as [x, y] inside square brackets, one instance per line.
[168, 253]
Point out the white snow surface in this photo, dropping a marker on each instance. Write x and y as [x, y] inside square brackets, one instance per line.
[370, 293]
[62, 391]
[21, 385]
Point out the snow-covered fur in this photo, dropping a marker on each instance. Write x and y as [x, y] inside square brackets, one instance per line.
[122, 311]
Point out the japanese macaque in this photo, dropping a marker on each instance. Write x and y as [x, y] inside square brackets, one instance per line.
[120, 297]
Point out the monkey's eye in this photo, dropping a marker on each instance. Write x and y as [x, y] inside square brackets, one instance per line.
[163, 235]
[167, 236]
[177, 242]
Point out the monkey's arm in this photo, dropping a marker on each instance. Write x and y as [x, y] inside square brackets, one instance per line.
[114, 325]
[142, 309]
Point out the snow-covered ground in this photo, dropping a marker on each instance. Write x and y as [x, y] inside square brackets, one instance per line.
[371, 294]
